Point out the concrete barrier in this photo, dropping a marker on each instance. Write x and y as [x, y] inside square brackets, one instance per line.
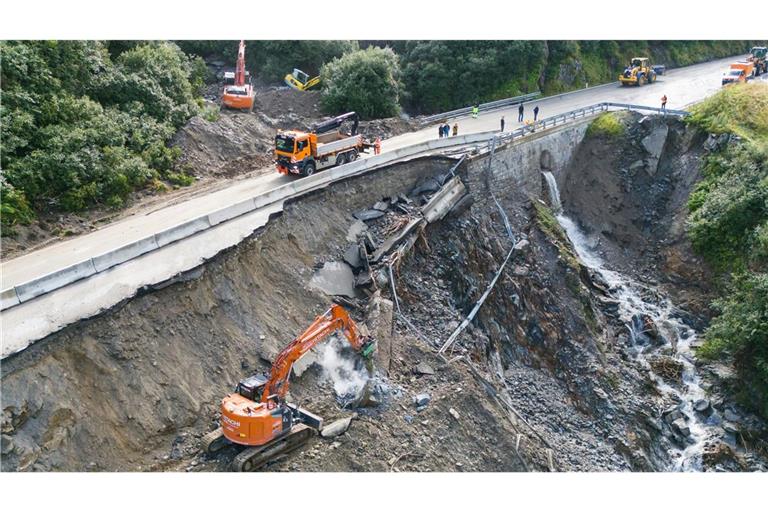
[8, 298]
[183, 230]
[124, 253]
[230, 212]
[54, 280]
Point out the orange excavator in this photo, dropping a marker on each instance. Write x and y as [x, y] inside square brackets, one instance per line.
[258, 418]
[239, 94]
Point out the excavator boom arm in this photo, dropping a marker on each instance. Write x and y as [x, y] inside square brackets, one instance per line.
[240, 69]
[336, 318]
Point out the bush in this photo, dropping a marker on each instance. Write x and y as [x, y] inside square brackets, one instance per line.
[740, 333]
[80, 129]
[741, 109]
[607, 124]
[366, 81]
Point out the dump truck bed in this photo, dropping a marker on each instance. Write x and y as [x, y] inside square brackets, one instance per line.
[338, 145]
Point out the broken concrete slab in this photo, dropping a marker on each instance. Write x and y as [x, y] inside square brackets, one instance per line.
[444, 200]
[353, 258]
[395, 239]
[335, 278]
[654, 145]
[336, 428]
[369, 214]
[427, 187]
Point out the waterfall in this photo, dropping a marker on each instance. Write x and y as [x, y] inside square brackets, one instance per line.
[637, 303]
[554, 193]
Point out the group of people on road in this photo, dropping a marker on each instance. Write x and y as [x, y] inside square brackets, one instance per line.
[444, 130]
[521, 115]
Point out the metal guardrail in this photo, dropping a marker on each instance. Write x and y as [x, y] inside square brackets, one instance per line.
[581, 113]
[484, 107]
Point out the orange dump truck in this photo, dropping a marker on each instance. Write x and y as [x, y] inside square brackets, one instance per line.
[739, 72]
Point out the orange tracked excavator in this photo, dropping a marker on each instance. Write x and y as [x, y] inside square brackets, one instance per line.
[239, 94]
[257, 417]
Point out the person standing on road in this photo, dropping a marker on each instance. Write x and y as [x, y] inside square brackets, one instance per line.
[664, 102]
[520, 111]
[446, 129]
[535, 113]
[502, 123]
[455, 129]
[377, 146]
[475, 111]
[440, 131]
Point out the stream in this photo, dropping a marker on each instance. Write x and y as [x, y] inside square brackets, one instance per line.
[639, 304]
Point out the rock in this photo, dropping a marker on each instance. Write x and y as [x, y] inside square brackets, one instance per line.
[730, 415]
[429, 185]
[601, 394]
[381, 206]
[379, 319]
[681, 427]
[654, 145]
[520, 270]
[730, 428]
[453, 412]
[424, 369]
[336, 428]
[352, 257]
[522, 245]
[672, 415]
[335, 278]
[421, 399]
[356, 229]
[701, 405]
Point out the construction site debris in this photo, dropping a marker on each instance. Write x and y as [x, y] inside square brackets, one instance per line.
[353, 258]
[336, 428]
[453, 412]
[369, 214]
[421, 400]
[424, 369]
[334, 278]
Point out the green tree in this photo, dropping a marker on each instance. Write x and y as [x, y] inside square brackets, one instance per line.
[366, 81]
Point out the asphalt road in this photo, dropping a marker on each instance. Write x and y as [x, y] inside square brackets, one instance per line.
[682, 86]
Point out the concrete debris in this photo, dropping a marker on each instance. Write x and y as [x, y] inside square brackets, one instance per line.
[453, 412]
[381, 206]
[335, 278]
[429, 186]
[356, 229]
[424, 369]
[522, 245]
[368, 214]
[421, 399]
[353, 258]
[336, 428]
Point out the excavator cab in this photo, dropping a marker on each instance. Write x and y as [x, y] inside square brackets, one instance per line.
[252, 387]
[300, 81]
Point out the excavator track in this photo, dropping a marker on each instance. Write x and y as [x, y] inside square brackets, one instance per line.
[214, 441]
[256, 457]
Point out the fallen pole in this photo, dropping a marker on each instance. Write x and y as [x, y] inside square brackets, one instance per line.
[450, 341]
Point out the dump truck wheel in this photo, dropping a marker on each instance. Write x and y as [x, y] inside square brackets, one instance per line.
[309, 169]
[352, 156]
[341, 159]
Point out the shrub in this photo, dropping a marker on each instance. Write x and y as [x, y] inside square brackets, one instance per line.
[365, 81]
[607, 124]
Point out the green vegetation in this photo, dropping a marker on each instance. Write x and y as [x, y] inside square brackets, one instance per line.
[80, 128]
[728, 226]
[607, 124]
[365, 81]
[549, 225]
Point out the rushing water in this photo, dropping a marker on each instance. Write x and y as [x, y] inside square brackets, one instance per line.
[636, 303]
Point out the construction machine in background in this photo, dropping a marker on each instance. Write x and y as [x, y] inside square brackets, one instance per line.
[758, 56]
[239, 94]
[739, 72]
[257, 417]
[324, 146]
[300, 81]
[639, 72]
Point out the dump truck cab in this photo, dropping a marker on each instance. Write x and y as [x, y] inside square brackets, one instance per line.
[639, 71]
[293, 151]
